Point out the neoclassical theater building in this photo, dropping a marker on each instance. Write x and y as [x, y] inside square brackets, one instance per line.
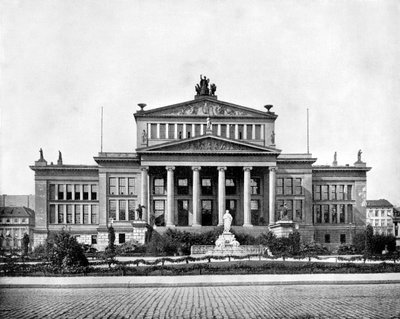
[194, 160]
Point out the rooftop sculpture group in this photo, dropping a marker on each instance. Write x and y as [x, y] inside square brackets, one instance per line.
[203, 89]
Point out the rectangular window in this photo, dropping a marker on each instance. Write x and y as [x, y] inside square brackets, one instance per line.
[163, 129]
[317, 192]
[326, 213]
[180, 131]
[197, 129]
[349, 192]
[95, 213]
[122, 186]
[334, 214]
[230, 186]
[122, 210]
[333, 192]
[183, 186]
[206, 186]
[289, 209]
[159, 212]
[214, 129]
[52, 192]
[298, 210]
[94, 192]
[69, 214]
[341, 192]
[342, 238]
[77, 214]
[240, 131]
[94, 239]
[113, 186]
[112, 209]
[325, 192]
[131, 209]
[159, 186]
[188, 130]
[327, 238]
[231, 128]
[350, 213]
[60, 192]
[341, 213]
[279, 186]
[249, 132]
[376, 213]
[255, 186]
[52, 214]
[131, 185]
[298, 186]
[121, 238]
[86, 214]
[77, 192]
[171, 131]
[318, 213]
[85, 192]
[288, 186]
[258, 132]
[61, 214]
[69, 191]
[153, 131]
[223, 130]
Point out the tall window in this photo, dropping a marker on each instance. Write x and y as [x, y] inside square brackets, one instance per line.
[249, 132]
[112, 209]
[230, 186]
[171, 131]
[77, 192]
[86, 214]
[223, 130]
[317, 192]
[52, 192]
[52, 214]
[298, 186]
[279, 186]
[197, 129]
[288, 186]
[162, 131]
[159, 212]
[325, 192]
[95, 213]
[240, 131]
[77, 214]
[341, 213]
[318, 214]
[131, 209]
[183, 186]
[327, 238]
[188, 130]
[113, 186]
[122, 210]
[258, 132]
[94, 192]
[85, 192]
[122, 186]
[341, 192]
[349, 192]
[350, 213]
[69, 214]
[60, 192]
[255, 186]
[333, 192]
[326, 213]
[153, 131]
[298, 210]
[231, 128]
[159, 186]
[60, 214]
[255, 212]
[69, 191]
[206, 186]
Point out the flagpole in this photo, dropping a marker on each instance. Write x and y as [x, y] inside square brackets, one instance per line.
[101, 138]
[308, 134]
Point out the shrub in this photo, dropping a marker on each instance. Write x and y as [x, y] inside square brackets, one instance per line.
[64, 252]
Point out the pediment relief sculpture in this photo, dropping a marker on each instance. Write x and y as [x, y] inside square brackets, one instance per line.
[207, 108]
[210, 145]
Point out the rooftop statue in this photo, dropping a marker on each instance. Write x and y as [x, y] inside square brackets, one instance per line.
[203, 89]
[359, 156]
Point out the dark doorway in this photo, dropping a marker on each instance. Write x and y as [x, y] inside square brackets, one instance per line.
[206, 213]
[183, 212]
[230, 205]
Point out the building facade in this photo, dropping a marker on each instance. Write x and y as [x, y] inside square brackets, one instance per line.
[17, 201]
[15, 222]
[195, 160]
[380, 215]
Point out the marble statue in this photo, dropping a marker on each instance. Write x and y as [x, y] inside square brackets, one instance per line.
[359, 156]
[227, 221]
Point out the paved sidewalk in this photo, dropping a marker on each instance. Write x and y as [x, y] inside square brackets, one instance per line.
[196, 281]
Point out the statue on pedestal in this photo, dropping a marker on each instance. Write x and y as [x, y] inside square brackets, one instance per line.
[139, 211]
[227, 221]
[359, 156]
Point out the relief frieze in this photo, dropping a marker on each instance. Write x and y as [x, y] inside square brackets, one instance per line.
[211, 145]
[207, 108]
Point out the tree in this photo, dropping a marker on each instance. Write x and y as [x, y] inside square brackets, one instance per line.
[25, 244]
[369, 237]
[64, 252]
[109, 254]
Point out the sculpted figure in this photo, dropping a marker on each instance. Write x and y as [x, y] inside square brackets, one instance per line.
[213, 88]
[41, 153]
[139, 210]
[227, 221]
[359, 156]
[208, 123]
[273, 137]
[144, 136]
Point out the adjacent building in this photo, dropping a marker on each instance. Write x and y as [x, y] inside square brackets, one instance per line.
[380, 215]
[14, 223]
[194, 160]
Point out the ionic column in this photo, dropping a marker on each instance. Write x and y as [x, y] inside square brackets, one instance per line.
[170, 196]
[196, 197]
[144, 193]
[247, 197]
[221, 194]
[272, 182]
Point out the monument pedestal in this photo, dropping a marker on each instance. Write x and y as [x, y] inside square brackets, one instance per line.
[283, 228]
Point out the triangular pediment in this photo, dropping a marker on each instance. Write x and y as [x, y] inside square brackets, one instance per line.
[208, 144]
[206, 107]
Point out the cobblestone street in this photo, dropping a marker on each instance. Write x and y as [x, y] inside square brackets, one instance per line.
[284, 301]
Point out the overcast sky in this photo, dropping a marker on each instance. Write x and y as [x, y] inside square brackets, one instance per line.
[62, 60]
